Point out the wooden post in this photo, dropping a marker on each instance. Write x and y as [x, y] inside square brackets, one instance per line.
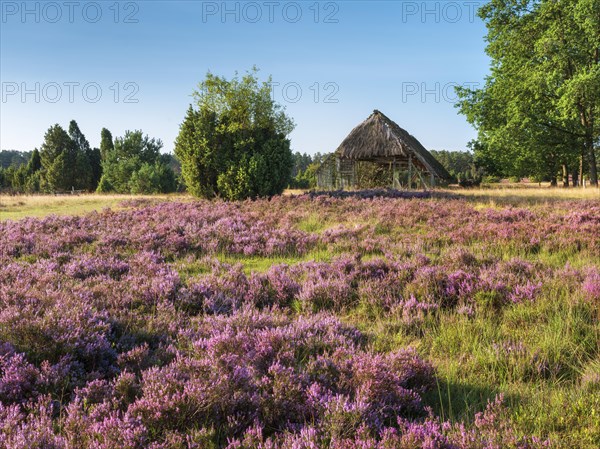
[422, 180]
[410, 171]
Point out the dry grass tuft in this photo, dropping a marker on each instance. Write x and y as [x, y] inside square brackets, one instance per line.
[21, 206]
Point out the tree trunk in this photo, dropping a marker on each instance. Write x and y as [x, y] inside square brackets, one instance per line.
[581, 184]
[590, 138]
[592, 160]
[565, 171]
[587, 121]
[575, 176]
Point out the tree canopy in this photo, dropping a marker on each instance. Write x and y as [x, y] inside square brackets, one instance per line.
[133, 164]
[537, 110]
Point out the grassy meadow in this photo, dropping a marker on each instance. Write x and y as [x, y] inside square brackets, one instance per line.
[15, 207]
[523, 194]
[496, 290]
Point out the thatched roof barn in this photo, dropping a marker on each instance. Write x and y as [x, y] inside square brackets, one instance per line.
[378, 141]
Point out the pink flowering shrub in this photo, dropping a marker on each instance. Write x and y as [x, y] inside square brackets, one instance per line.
[591, 286]
[490, 431]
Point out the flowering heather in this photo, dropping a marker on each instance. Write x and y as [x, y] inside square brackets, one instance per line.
[144, 327]
[591, 286]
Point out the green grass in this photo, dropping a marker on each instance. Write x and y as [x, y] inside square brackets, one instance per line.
[254, 264]
[549, 376]
[259, 264]
[312, 223]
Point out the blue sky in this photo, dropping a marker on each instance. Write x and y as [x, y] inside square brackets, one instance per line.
[133, 65]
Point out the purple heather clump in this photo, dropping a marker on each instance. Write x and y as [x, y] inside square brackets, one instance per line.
[591, 216]
[19, 379]
[515, 281]
[509, 215]
[429, 434]
[492, 429]
[434, 285]
[460, 285]
[118, 431]
[331, 292]
[87, 266]
[276, 287]
[413, 312]
[525, 293]
[461, 258]
[329, 286]
[225, 289]
[31, 427]
[152, 280]
[466, 310]
[389, 385]
[591, 286]
[263, 367]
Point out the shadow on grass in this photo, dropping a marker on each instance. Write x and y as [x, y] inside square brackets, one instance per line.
[382, 193]
[459, 402]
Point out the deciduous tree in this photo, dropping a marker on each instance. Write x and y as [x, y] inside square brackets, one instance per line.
[134, 165]
[537, 113]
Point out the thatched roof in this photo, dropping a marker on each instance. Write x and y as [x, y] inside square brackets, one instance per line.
[379, 139]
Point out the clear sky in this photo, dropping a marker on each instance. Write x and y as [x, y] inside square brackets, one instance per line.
[133, 65]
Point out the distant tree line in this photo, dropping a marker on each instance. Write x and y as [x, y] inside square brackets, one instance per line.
[13, 158]
[304, 172]
[65, 161]
[464, 168]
